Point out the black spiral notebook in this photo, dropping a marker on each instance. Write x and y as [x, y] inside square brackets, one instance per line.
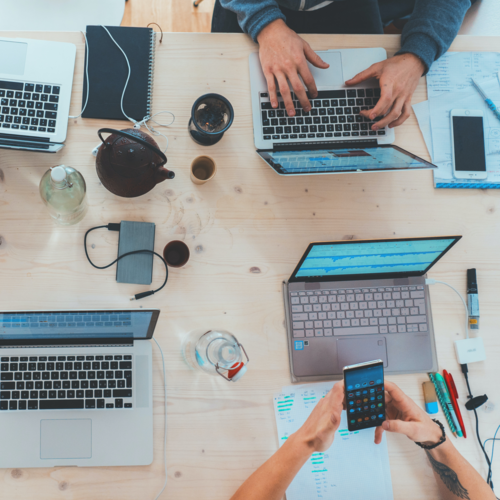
[108, 72]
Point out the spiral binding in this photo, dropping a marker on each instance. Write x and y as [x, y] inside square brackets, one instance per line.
[151, 71]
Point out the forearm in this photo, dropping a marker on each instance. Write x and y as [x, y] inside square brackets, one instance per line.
[254, 16]
[456, 478]
[271, 479]
[432, 28]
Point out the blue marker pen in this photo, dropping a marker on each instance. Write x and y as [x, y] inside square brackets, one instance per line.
[488, 101]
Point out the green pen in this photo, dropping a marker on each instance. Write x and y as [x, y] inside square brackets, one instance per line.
[441, 383]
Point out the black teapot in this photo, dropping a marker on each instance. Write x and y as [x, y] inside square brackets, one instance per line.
[129, 162]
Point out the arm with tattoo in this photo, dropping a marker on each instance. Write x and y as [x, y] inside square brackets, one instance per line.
[456, 478]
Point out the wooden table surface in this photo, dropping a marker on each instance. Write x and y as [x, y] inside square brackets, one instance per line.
[246, 230]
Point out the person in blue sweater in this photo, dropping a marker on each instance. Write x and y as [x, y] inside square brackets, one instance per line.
[273, 24]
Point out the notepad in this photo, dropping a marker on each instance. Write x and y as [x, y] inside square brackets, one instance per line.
[108, 72]
[333, 474]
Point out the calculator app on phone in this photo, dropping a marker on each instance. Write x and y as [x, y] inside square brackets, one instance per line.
[364, 395]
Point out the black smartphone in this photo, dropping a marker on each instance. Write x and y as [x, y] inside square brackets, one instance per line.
[364, 395]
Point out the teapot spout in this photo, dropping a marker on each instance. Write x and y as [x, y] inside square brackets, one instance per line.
[163, 174]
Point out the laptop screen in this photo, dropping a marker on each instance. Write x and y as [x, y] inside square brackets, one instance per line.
[348, 260]
[351, 159]
[69, 327]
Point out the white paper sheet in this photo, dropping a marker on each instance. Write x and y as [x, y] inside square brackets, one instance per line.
[440, 108]
[354, 467]
[453, 71]
[424, 122]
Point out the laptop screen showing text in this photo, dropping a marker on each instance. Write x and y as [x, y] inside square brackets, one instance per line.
[74, 325]
[368, 258]
[342, 160]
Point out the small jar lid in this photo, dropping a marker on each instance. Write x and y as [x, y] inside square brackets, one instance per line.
[58, 174]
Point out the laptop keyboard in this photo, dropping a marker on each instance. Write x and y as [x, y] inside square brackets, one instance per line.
[327, 313]
[334, 114]
[65, 382]
[29, 106]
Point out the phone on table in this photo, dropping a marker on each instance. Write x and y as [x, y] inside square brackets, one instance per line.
[364, 394]
[467, 144]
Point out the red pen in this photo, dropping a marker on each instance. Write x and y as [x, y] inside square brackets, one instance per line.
[454, 396]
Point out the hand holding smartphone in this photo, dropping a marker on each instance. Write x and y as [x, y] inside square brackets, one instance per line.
[364, 395]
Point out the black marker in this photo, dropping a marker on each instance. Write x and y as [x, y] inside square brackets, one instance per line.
[472, 299]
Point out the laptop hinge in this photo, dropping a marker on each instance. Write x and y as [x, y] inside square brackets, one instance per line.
[24, 138]
[302, 146]
[58, 346]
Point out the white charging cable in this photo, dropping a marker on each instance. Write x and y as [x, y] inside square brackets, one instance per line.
[429, 281]
[137, 124]
[165, 432]
[86, 75]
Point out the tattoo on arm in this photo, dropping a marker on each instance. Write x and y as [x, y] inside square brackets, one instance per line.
[449, 478]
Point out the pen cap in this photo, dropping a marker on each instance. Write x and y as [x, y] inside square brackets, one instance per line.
[471, 281]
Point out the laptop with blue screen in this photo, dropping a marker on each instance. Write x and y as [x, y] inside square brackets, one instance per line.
[353, 301]
[76, 388]
[342, 159]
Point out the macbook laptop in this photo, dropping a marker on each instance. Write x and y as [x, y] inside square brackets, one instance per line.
[332, 137]
[76, 388]
[36, 78]
[348, 302]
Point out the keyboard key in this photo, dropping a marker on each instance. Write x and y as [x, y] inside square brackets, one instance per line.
[56, 89]
[122, 393]
[33, 404]
[361, 330]
[118, 403]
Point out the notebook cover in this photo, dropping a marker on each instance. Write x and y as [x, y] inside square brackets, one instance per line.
[108, 72]
[136, 268]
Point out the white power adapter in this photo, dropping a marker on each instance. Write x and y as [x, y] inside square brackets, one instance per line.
[470, 350]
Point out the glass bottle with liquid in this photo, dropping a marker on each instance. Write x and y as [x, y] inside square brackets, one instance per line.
[63, 191]
[216, 352]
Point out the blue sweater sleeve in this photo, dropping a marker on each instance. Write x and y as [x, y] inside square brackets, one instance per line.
[254, 15]
[432, 27]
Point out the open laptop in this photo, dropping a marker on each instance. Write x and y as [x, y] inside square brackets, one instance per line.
[76, 388]
[36, 79]
[352, 301]
[333, 137]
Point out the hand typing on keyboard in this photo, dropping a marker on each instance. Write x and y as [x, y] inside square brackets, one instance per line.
[398, 77]
[283, 56]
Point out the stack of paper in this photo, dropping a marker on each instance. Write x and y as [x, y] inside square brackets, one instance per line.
[449, 87]
[335, 473]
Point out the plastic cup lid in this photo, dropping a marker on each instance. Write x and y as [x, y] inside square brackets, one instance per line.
[58, 174]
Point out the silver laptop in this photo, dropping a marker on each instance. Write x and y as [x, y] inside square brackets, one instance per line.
[36, 78]
[76, 388]
[348, 302]
[333, 137]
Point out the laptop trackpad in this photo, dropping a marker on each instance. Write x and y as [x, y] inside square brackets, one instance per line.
[70, 438]
[360, 350]
[332, 76]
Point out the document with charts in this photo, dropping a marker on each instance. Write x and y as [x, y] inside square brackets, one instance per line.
[449, 86]
[333, 474]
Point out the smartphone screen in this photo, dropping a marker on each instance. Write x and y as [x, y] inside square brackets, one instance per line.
[468, 138]
[364, 395]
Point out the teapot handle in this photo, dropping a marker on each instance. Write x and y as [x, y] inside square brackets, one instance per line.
[135, 139]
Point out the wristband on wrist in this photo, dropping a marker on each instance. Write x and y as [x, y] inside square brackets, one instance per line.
[441, 441]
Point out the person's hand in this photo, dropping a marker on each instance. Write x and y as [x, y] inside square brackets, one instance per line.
[284, 55]
[404, 416]
[398, 77]
[319, 429]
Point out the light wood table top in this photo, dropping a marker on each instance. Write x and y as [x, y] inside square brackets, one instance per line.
[246, 230]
